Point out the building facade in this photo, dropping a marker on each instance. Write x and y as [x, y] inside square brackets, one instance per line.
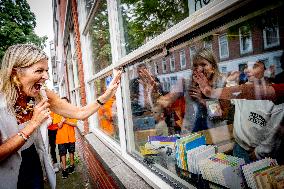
[93, 38]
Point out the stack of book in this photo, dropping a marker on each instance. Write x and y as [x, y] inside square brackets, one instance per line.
[224, 170]
[184, 145]
[196, 155]
[155, 143]
[271, 178]
[263, 173]
[162, 140]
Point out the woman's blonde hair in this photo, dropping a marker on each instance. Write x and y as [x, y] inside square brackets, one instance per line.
[17, 56]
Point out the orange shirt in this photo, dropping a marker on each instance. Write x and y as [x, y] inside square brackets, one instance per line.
[53, 126]
[105, 117]
[66, 133]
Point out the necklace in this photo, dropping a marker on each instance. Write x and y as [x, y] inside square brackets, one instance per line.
[24, 109]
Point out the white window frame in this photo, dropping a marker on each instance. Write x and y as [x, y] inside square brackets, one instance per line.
[182, 57]
[226, 46]
[241, 38]
[277, 43]
[172, 63]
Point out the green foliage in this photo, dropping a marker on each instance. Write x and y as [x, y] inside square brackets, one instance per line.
[145, 19]
[101, 38]
[76, 159]
[17, 24]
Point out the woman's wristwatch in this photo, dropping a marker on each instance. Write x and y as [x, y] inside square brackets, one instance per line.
[99, 102]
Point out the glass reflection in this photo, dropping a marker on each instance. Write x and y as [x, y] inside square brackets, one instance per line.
[107, 114]
[99, 32]
[227, 89]
[88, 5]
[144, 20]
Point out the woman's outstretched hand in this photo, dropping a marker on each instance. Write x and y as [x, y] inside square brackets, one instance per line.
[112, 87]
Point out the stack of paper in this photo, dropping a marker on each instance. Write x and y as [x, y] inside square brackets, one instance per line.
[185, 144]
[252, 170]
[195, 156]
[223, 169]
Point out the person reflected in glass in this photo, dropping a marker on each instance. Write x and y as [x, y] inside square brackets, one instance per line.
[161, 126]
[209, 113]
[187, 100]
[25, 107]
[144, 90]
[106, 117]
[256, 122]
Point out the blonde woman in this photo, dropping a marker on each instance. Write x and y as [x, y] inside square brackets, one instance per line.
[24, 116]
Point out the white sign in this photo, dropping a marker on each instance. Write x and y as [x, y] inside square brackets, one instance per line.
[194, 5]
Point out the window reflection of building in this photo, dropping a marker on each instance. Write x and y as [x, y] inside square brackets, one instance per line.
[156, 68]
[208, 44]
[223, 46]
[192, 52]
[164, 65]
[271, 36]
[182, 59]
[172, 63]
[245, 40]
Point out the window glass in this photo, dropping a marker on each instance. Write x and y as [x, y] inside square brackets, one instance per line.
[164, 65]
[144, 20]
[192, 52]
[156, 68]
[224, 48]
[99, 32]
[88, 5]
[208, 44]
[245, 40]
[182, 59]
[172, 63]
[107, 114]
[202, 122]
[271, 33]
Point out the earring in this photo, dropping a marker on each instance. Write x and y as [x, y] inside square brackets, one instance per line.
[17, 83]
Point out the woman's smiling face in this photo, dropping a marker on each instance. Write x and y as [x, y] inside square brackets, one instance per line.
[33, 77]
[204, 66]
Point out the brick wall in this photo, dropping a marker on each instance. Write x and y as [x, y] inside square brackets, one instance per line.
[79, 58]
[97, 173]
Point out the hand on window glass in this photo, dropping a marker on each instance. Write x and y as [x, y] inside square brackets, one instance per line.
[147, 79]
[111, 90]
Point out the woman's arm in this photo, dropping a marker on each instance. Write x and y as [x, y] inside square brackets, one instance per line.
[245, 91]
[71, 123]
[66, 109]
